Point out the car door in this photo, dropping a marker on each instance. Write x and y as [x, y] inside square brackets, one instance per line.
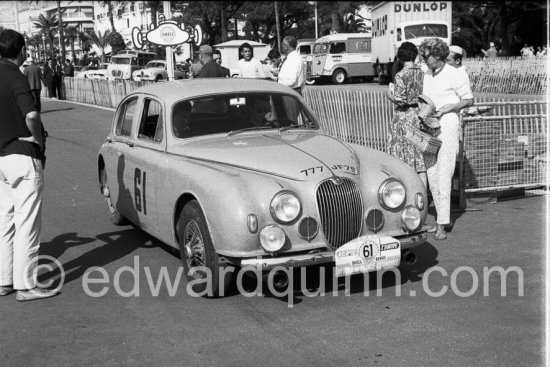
[148, 148]
[116, 167]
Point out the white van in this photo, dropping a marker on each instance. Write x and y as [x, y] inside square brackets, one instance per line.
[341, 56]
[305, 49]
[126, 62]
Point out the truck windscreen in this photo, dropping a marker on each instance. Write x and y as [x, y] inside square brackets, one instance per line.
[425, 30]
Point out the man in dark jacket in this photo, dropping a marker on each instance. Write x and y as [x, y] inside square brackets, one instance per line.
[210, 68]
[34, 76]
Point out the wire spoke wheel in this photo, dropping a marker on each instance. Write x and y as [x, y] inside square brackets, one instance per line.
[199, 258]
[114, 214]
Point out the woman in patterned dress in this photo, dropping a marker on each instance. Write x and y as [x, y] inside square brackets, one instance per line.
[407, 88]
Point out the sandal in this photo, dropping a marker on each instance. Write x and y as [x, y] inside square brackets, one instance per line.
[440, 235]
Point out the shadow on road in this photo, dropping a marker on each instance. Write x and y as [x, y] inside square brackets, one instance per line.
[59, 109]
[116, 245]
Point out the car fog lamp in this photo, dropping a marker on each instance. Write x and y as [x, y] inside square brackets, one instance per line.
[419, 200]
[272, 238]
[391, 194]
[285, 207]
[411, 217]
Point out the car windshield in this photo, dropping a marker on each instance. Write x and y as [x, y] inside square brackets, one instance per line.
[238, 112]
[426, 30]
[121, 60]
[154, 64]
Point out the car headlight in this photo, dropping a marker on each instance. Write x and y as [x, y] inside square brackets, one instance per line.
[272, 238]
[411, 218]
[419, 200]
[391, 194]
[285, 207]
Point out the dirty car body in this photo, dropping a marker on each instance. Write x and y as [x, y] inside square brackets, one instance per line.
[238, 172]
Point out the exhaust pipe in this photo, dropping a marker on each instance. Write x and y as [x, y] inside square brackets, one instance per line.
[280, 280]
[409, 257]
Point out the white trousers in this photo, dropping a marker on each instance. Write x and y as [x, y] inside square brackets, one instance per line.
[21, 183]
[440, 175]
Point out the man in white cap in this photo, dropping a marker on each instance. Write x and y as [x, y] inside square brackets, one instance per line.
[455, 59]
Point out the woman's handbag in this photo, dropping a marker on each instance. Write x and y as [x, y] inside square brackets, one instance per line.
[422, 140]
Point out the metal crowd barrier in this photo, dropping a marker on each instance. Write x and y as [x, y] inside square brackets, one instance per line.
[505, 150]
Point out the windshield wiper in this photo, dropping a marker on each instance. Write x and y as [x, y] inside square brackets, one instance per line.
[234, 132]
[433, 33]
[411, 33]
[295, 126]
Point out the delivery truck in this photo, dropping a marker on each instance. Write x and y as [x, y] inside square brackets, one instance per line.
[394, 22]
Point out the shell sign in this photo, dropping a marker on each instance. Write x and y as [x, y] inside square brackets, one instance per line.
[167, 33]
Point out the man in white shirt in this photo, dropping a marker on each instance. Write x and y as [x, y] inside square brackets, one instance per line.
[292, 72]
[249, 67]
[450, 92]
[455, 59]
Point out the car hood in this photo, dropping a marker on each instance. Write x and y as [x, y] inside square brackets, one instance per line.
[292, 155]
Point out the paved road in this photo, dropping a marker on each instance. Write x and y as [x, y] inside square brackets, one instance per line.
[414, 329]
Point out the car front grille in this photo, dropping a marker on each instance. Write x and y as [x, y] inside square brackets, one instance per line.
[341, 210]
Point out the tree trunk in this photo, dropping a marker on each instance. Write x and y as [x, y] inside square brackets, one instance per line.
[61, 35]
[111, 17]
[278, 26]
[503, 29]
[223, 21]
[154, 16]
[336, 23]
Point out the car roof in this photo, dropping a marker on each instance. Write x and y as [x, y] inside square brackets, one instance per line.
[174, 91]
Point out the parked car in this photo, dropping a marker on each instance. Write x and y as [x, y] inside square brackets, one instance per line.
[93, 72]
[156, 71]
[238, 172]
[125, 62]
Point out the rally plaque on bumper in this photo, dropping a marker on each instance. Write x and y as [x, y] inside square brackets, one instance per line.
[367, 253]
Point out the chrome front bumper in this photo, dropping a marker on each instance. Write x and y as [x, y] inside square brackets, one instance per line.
[267, 262]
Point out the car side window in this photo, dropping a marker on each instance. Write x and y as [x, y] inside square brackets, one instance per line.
[125, 117]
[151, 127]
[338, 48]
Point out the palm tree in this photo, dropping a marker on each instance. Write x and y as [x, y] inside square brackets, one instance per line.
[60, 29]
[47, 25]
[100, 40]
[154, 5]
[112, 5]
[71, 36]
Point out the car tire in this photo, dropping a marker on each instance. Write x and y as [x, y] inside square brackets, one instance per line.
[115, 216]
[196, 249]
[339, 76]
[158, 78]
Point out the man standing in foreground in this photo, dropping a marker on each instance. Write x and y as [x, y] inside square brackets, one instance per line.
[34, 76]
[21, 175]
[292, 71]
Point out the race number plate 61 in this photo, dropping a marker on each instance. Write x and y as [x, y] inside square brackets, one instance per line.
[367, 253]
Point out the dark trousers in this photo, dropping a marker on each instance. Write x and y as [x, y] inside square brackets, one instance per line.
[36, 96]
[55, 90]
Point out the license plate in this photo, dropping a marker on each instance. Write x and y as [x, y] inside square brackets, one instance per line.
[367, 253]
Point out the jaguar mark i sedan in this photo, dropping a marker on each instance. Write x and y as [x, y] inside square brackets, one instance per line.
[237, 173]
